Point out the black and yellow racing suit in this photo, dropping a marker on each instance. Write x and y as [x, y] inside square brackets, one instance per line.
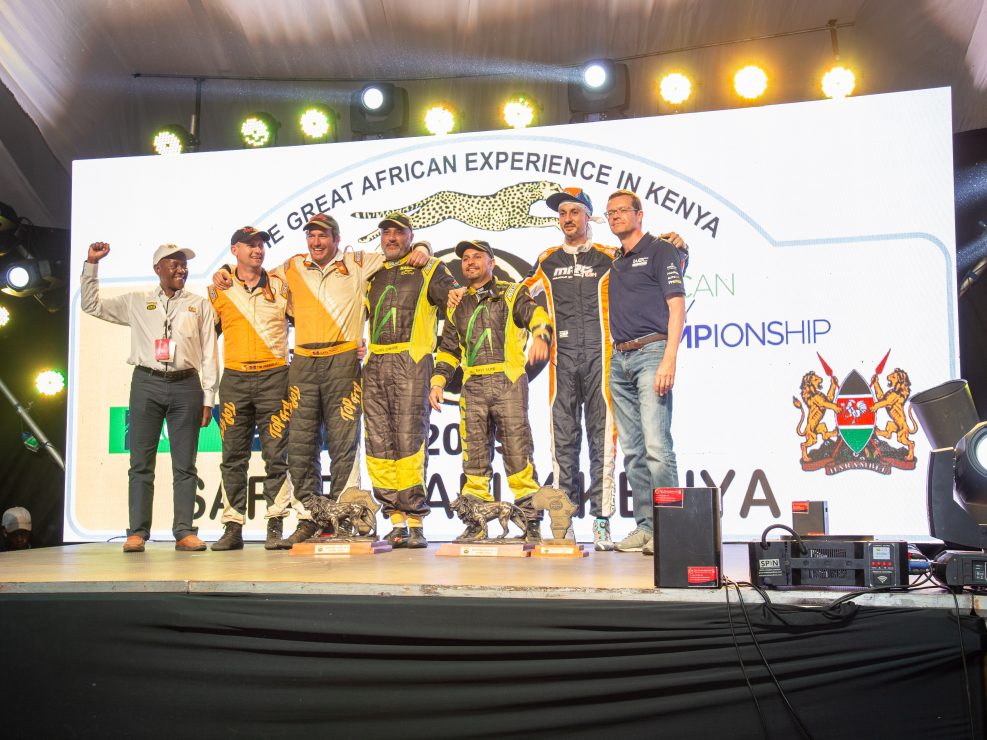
[486, 334]
[401, 305]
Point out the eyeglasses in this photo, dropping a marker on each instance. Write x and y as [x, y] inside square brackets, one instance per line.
[622, 209]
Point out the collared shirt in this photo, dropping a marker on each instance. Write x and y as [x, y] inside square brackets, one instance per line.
[328, 301]
[187, 318]
[254, 322]
[642, 279]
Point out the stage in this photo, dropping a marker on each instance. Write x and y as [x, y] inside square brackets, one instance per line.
[610, 576]
[265, 644]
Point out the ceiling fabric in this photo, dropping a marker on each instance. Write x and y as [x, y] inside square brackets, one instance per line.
[70, 66]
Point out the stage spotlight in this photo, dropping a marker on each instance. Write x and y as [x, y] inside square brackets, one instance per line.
[519, 112]
[18, 277]
[675, 88]
[376, 98]
[956, 486]
[49, 382]
[259, 130]
[602, 91]
[27, 277]
[4, 316]
[750, 82]
[440, 120]
[838, 82]
[172, 139]
[379, 110]
[971, 465]
[317, 123]
[598, 74]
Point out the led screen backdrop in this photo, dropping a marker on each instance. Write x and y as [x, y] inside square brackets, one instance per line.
[822, 247]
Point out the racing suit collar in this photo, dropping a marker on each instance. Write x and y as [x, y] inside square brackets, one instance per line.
[579, 248]
[263, 284]
[485, 289]
[336, 264]
[400, 260]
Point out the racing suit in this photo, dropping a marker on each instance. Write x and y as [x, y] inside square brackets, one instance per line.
[486, 332]
[253, 391]
[401, 305]
[575, 281]
[324, 375]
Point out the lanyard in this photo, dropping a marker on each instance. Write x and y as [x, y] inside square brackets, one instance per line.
[169, 316]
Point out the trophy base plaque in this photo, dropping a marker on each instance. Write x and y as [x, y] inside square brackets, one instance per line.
[559, 549]
[354, 547]
[484, 550]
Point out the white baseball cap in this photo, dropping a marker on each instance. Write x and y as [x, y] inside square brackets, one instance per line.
[16, 518]
[166, 250]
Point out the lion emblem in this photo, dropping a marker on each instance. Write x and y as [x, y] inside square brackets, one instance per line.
[346, 519]
[475, 514]
[508, 208]
[893, 401]
[816, 404]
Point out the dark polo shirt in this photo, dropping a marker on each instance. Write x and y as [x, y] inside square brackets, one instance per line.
[642, 279]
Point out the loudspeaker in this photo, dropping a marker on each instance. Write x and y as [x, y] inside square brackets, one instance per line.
[810, 517]
[688, 552]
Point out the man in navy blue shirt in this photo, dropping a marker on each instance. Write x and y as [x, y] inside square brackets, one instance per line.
[647, 315]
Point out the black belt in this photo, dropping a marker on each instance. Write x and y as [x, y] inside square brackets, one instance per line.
[169, 375]
[638, 343]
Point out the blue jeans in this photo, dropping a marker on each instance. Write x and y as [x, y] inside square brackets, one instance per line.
[644, 426]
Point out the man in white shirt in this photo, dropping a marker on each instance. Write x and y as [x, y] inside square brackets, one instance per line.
[173, 349]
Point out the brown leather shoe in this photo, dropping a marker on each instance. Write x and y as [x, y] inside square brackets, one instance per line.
[190, 544]
[134, 543]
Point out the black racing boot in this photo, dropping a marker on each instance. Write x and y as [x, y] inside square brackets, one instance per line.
[232, 538]
[398, 537]
[532, 527]
[532, 532]
[416, 538]
[275, 530]
[305, 530]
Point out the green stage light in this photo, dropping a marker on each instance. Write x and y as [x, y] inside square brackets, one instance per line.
[317, 122]
[259, 130]
[172, 139]
[50, 382]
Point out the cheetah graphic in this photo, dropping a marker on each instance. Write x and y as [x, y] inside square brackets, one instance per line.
[508, 208]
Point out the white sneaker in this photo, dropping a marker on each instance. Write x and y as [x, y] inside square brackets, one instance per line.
[635, 541]
[602, 541]
[649, 547]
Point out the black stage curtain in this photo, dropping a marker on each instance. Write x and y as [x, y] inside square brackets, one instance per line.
[176, 665]
[36, 338]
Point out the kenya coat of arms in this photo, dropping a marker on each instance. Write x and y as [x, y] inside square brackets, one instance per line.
[853, 439]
